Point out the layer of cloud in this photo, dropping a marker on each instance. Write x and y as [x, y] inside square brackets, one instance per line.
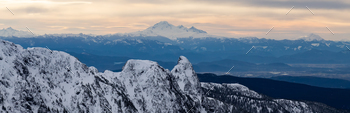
[316, 4]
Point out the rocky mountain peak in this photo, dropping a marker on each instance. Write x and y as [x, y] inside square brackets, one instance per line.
[162, 24]
[183, 60]
[38, 80]
[187, 78]
[312, 37]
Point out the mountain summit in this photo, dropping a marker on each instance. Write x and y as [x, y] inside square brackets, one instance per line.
[312, 37]
[170, 31]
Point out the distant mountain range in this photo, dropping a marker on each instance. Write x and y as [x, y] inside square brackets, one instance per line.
[315, 81]
[313, 56]
[10, 32]
[164, 41]
[285, 63]
[209, 54]
[161, 29]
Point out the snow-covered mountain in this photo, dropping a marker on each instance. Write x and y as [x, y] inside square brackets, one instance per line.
[162, 28]
[41, 80]
[170, 31]
[9, 32]
[312, 37]
[69, 35]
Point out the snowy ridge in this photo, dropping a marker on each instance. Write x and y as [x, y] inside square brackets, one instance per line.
[9, 32]
[150, 87]
[242, 90]
[40, 80]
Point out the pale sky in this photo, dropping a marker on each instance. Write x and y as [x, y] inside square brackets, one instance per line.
[230, 18]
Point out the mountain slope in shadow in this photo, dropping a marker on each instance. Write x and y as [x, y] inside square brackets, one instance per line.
[338, 98]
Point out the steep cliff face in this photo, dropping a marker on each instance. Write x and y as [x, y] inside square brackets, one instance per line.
[152, 88]
[187, 80]
[41, 80]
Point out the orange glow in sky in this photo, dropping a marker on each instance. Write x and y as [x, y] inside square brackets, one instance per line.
[250, 18]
